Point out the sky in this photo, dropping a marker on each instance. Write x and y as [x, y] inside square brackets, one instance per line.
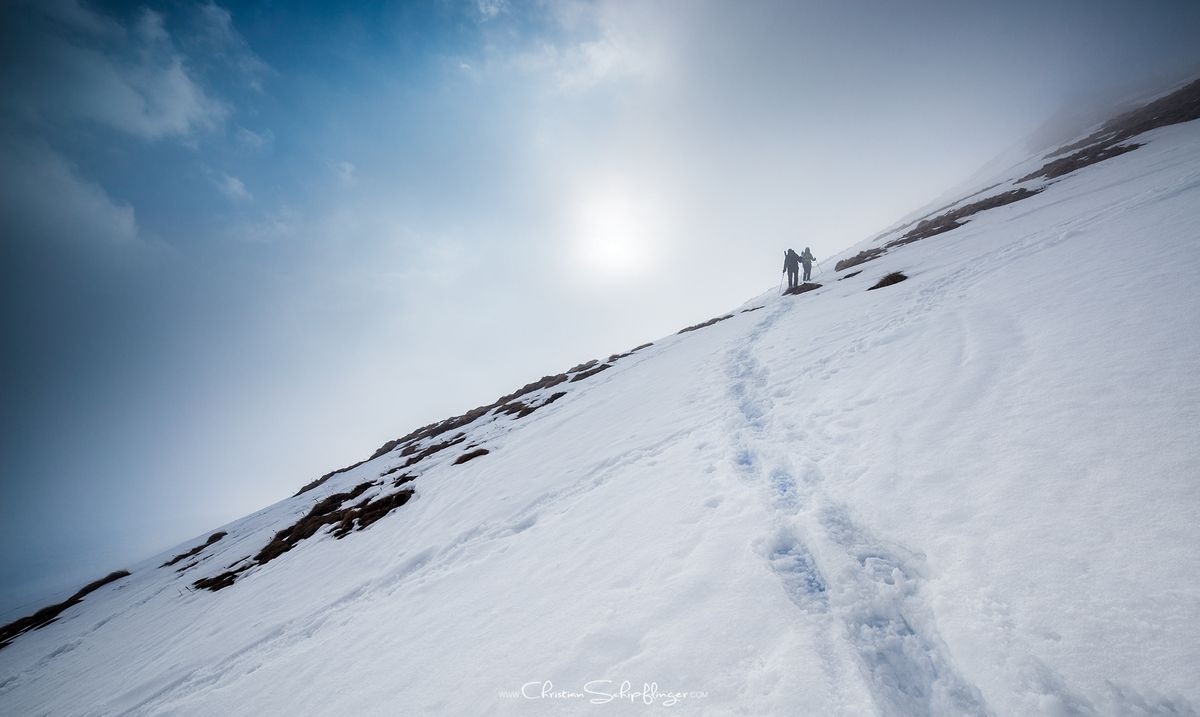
[244, 244]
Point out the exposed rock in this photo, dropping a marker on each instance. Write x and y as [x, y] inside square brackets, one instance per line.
[328, 511]
[436, 429]
[1183, 105]
[591, 372]
[860, 258]
[470, 456]
[801, 289]
[521, 409]
[319, 481]
[369, 511]
[211, 539]
[704, 324]
[1080, 159]
[1109, 141]
[218, 582]
[894, 278]
[430, 450]
[49, 614]
[953, 219]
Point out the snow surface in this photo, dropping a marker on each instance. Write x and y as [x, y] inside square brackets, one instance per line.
[973, 492]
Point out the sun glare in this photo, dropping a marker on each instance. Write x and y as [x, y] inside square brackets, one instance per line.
[613, 236]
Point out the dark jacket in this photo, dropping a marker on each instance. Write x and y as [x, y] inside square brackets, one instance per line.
[791, 261]
[807, 257]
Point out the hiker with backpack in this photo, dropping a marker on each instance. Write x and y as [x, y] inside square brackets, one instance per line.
[791, 265]
[807, 260]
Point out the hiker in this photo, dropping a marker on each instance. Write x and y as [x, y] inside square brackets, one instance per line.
[807, 259]
[791, 264]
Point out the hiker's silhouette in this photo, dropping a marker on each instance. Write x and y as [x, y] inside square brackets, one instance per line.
[791, 265]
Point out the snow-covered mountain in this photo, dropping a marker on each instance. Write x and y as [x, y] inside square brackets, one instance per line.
[973, 490]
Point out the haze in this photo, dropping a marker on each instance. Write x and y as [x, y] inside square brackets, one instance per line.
[245, 244]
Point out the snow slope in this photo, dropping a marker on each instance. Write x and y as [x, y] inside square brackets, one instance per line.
[973, 492]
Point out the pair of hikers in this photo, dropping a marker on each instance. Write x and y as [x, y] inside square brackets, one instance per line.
[792, 262]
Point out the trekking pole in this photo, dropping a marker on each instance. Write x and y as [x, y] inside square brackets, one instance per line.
[819, 269]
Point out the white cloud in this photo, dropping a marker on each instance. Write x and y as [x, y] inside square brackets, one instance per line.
[233, 187]
[43, 198]
[609, 57]
[597, 43]
[217, 41]
[139, 85]
[490, 9]
[275, 225]
[141, 78]
[78, 17]
[256, 141]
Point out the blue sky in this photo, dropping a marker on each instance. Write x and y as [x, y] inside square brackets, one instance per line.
[244, 244]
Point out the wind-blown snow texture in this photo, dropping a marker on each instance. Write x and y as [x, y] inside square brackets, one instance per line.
[973, 492]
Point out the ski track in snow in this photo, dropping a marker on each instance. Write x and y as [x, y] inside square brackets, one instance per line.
[870, 587]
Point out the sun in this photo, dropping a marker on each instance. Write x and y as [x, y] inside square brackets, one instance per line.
[612, 236]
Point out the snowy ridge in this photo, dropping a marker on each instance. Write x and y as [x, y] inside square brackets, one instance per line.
[1028, 173]
[969, 493]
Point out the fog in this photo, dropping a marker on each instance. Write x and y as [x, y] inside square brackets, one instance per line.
[244, 245]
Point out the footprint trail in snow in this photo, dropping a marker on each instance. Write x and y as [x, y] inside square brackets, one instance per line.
[871, 588]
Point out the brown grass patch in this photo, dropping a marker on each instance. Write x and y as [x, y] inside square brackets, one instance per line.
[1109, 141]
[323, 513]
[630, 352]
[319, 481]
[436, 429]
[860, 258]
[591, 372]
[471, 455]
[954, 219]
[801, 289]
[894, 278]
[50, 613]
[704, 324]
[521, 409]
[219, 582]
[368, 512]
[1079, 160]
[433, 430]
[429, 450]
[328, 511]
[182, 556]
